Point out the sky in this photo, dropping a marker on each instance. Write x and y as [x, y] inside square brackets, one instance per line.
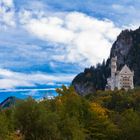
[46, 43]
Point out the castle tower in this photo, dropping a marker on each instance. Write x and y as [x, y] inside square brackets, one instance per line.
[113, 66]
[113, 72]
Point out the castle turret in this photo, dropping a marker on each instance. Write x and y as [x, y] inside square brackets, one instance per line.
[113, 72]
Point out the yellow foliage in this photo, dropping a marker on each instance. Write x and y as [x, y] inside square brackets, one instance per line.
[102, 112]
[15, 136]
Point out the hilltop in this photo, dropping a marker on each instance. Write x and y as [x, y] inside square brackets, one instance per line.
[127, 50]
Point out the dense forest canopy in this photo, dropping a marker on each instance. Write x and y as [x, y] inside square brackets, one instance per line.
[106, 115]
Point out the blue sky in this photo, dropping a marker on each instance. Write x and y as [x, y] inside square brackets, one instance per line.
[45, 43]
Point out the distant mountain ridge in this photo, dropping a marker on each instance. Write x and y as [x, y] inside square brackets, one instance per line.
[127, 50]
[9, 102]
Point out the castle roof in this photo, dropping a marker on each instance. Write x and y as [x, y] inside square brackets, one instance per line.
[125, 70]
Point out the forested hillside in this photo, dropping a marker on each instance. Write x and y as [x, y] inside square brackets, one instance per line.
[105, 115]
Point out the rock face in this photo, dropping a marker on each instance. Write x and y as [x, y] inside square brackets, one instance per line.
[83, 82]
[122, 46]
[90, 80]
[127, 50]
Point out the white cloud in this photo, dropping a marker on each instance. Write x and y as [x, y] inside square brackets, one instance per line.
[129, 9]
[26, 90]
[10, 79]
[7, 13]
[84, 39]
[8, 3]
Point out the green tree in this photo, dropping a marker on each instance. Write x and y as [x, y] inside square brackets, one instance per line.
[130, 125]
[35, 122]
[4, 127]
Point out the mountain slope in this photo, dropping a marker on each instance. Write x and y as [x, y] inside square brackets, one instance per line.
[9, 102]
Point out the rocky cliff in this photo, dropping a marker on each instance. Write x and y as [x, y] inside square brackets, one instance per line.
[127, 50]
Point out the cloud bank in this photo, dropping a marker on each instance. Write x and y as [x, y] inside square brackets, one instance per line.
[81, 38]
[10, 79]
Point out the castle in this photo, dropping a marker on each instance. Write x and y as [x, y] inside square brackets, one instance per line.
[122, 79]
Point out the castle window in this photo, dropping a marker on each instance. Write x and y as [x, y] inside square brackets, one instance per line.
[125, 82]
